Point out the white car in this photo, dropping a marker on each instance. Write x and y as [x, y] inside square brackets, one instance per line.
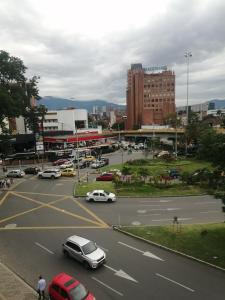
[50, 173]
[97, 164]
[100, 196]
[67, 164]
[85, 251]
[15, 173]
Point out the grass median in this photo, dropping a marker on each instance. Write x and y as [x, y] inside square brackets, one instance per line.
[205, 241]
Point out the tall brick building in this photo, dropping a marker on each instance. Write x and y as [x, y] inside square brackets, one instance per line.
[150, 95]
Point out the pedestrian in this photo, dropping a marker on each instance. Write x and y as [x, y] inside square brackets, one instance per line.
[8, 183]
[41, 288]
[11, 180]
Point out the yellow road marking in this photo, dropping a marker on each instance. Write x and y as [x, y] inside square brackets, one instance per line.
[90, 212]
[3, 199]
[27, 211]
[41, 194]
[50, 206]
[54, 227]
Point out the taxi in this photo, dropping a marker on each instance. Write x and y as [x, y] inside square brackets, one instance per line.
[70, 172]
[89, 158]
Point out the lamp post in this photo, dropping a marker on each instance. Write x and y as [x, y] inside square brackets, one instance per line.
[187, 55]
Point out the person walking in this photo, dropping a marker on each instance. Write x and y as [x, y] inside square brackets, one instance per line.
[41, 288]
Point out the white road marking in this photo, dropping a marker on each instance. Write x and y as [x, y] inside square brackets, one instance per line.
[169, 208]
[107, 286]
[173, 281]
[145, 253]
[151, 205]
[13, 225]
[148, 215]
[43, 247]
[179, 219]
[136, 223]
[142, 211]
[121, 273]
[209, 202]
[209, 211]
[162, 201]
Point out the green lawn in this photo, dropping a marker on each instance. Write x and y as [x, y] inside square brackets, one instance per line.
[158, 167]
[84, 187]
[205, 242]
[148, 190]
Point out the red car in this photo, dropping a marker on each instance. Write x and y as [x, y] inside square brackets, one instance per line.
[63, 286]
[105, 177]
[59, 162]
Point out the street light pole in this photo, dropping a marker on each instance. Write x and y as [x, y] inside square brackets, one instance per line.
[187, 55]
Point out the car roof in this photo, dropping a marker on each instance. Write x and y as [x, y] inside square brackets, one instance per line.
[68, 169]
[98, 191]
[65, 280]
[78, 239]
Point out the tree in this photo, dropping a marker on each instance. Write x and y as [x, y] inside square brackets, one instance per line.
[15, 89]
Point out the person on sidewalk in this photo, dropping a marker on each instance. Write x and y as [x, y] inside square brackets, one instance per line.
[41, 288]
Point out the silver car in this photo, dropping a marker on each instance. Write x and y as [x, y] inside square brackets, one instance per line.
[84, 251]
[50, 173]
[15, 173]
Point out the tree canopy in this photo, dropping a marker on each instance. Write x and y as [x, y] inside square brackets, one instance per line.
[15, 89]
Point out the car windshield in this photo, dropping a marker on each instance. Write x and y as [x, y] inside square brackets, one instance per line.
[89, 248]
[107, 193]
[78, 293]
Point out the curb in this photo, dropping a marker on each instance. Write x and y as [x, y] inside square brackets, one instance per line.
[18, 277]
[117, 228]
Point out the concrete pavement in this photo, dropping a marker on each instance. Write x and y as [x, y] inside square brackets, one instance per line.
[13, 287]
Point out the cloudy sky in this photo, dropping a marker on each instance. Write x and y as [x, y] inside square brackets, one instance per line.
[82, 49]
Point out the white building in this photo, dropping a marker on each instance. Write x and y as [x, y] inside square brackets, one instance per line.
[67, 119]
[59, 120]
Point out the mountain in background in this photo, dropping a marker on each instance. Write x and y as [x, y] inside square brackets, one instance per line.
[55, 103]
[218, 104]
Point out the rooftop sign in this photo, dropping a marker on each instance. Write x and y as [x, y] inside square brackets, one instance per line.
[152, 69]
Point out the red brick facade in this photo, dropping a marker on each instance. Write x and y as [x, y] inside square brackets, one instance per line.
[150, 97]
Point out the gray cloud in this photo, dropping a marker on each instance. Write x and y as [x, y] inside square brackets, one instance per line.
[71, 66]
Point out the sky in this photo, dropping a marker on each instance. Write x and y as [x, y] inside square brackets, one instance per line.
[82, 49]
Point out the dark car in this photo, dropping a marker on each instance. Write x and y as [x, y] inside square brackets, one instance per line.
[105, 177]
[174, 173]
[82, 164]
[32, 170]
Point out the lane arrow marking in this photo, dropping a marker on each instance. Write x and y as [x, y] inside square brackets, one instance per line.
[121, 273]
[145, 253]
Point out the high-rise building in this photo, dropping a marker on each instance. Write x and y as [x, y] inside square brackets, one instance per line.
[150, 95]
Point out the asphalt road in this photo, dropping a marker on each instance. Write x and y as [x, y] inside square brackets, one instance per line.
[38, 215]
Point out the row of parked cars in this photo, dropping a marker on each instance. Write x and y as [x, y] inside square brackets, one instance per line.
[88, 161]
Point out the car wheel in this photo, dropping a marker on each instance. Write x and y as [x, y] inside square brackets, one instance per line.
[110, 200]
[91, 200]
[40, 176]
[66, 253]
[86, 265]
[52, 177]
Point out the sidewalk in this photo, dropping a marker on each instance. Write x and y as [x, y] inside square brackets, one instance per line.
[13, 287]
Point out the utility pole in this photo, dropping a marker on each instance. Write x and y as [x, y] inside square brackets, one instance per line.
[187, 55]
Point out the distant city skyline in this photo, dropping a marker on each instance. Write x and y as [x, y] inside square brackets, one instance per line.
[84, 49]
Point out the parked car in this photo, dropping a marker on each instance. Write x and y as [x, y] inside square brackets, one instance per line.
[50, 173]
[89, 158]
[174, 173]
[82, 164]
[66, 287]
[163, 153]
[101, 196]
[67, 164]
[69, 172]
[32, 170]
[15, 173]
[105, 177]
[85, 251]
[97, 164]
[105, 160]
[59, 162]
